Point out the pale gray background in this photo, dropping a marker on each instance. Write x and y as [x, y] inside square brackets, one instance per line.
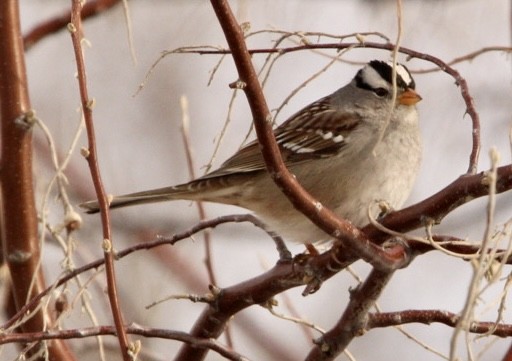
[140, 147]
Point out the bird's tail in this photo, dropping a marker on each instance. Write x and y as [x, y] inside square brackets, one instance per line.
[152, 196]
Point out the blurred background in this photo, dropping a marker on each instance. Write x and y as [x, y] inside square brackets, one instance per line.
[140, 147]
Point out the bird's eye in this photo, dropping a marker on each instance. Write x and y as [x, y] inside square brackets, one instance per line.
[381, 92]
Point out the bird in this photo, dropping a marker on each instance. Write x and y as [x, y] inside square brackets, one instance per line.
[349, 149]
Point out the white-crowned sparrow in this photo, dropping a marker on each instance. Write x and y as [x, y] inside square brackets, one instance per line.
[347, 149]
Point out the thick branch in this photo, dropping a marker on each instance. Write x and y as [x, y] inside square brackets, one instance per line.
[436, 207]
[258, 290]
[20, 235]
[353, 320]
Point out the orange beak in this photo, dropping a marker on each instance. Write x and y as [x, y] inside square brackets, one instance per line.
[409, 97]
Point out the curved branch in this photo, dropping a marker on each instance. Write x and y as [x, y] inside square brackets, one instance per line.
[49, 27]
[436, 207]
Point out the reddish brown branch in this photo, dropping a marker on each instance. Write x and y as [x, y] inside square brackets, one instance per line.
[428, 317]
[375, 320]
[437, 206]
[231, 300]
[508, 354]
[20, 233]
[353, 320]
[92, 159]
[49, 27]
[132, 329]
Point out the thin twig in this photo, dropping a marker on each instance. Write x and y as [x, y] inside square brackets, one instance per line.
[185, 127]
[480, 268]
[468, 57]
[185, 133]
[129, 31]
[427, 317]
[75, 29]
[270, 306]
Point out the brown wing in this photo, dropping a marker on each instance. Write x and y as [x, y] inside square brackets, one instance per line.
[317, 131]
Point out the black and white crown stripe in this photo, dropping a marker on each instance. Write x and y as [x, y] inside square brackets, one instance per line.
[378, 74]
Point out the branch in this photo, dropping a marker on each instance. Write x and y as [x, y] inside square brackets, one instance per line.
[49, 27]
[464, 189]
[468, 57]
[353, 320]
[20, 241]
[75, 28]
[386, 319]
[133, 329]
